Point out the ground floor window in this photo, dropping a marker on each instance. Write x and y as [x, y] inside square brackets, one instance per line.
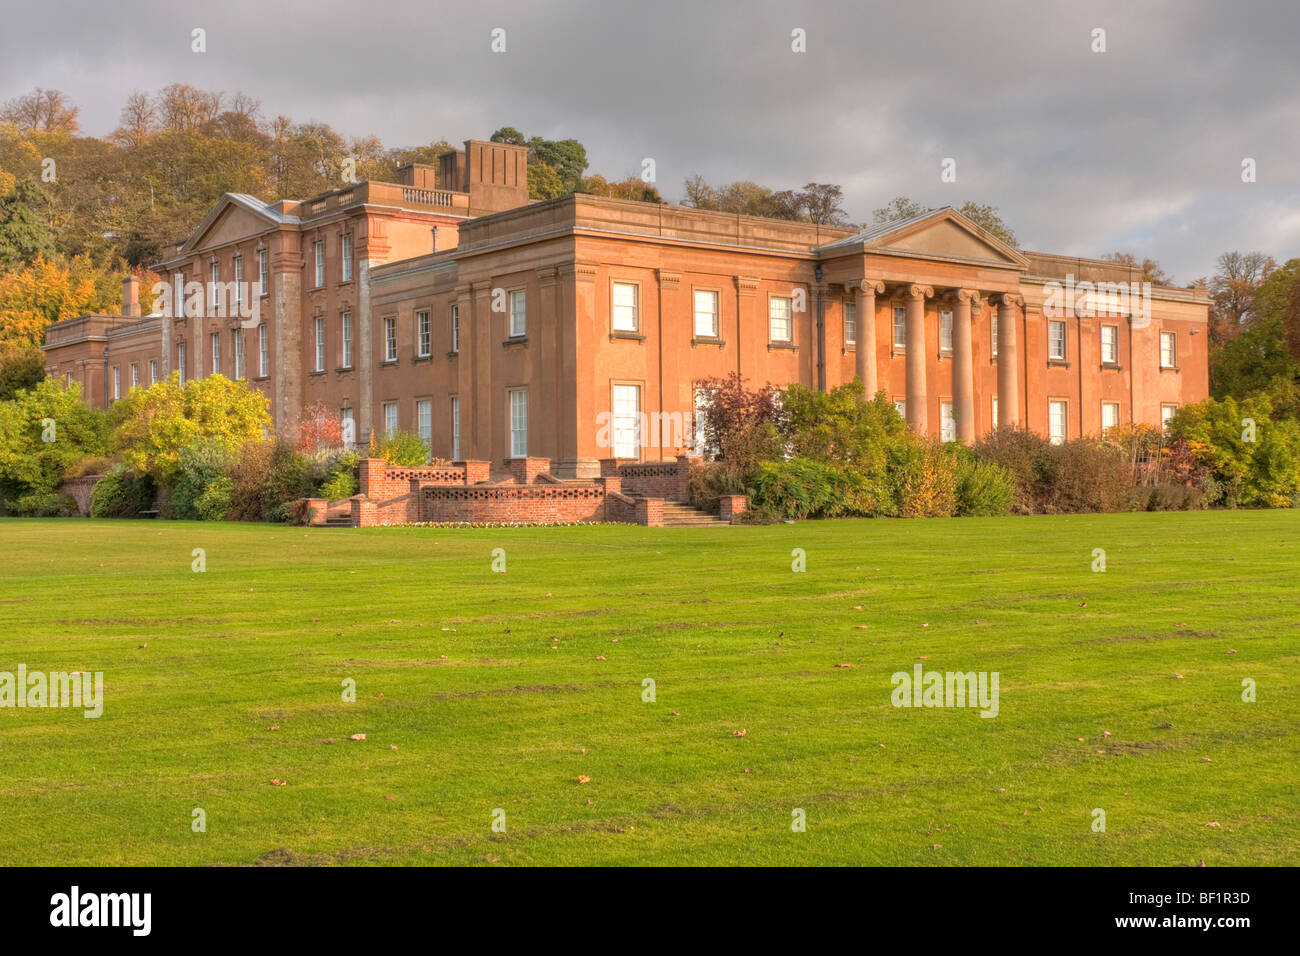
[900, 406]
[349, 427]
[995, 413]
[947, 422]
[424, 422]
[390, 419]
[1109, 415]
[1057, 421]
[455, 428]
[1166, 413]
[518, 423]
[627, 421]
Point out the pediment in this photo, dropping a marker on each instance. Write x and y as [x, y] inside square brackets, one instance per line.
[944, 234]
[230, 221]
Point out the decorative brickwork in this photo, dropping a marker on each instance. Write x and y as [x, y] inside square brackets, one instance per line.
[731, 505]
[670, 480]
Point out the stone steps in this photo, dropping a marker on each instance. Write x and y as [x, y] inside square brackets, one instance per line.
[677, 514]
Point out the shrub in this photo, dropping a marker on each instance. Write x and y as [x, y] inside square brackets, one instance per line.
[122, 494]
[44, 431]
[804, 488]
[200, 465]
[924, 480]
[401, 448]
[340, 484]
[214, 503]
[267, 477]
[46, 504]
[984, 488]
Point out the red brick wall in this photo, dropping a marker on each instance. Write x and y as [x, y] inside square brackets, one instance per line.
[670, 480]
[731, 505]
[505, 503]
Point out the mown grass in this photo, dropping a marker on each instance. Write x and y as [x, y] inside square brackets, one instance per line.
[479, 690]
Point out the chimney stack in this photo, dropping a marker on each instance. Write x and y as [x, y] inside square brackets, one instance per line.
[131, 297]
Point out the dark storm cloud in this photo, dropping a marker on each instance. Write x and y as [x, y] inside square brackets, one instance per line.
[1139, 148]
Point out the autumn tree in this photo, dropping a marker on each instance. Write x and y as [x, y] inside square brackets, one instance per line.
[1232, 289]
[1145, 270]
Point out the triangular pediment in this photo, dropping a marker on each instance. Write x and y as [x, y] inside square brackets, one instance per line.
[230, 220]
[942, 233]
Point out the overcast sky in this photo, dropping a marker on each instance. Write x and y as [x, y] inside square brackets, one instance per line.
[1137, 149]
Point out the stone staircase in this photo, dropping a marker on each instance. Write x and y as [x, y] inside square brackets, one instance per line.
[678, 514]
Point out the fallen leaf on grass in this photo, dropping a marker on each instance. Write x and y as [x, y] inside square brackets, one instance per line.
[583, 778]
[739, 733]
[357, 737]
[277, 783]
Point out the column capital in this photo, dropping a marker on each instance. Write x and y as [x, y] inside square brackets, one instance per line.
[964, 296]
[1007, 299]
[915, 290]
[874, 286]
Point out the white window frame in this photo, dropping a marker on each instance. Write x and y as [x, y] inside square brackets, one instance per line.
[945, 330]
[346, 415]
[518, 313]
[1167, 411]
[117, 382]
[214, 343]
[424, 421]
[1110, 350]
[993, 332]
[850, 324]
[898, 325]
[455, 329]
[320, 343]
[345, 338]
[1055, 435]
[625, 316]
[709, 313]
[423, 333]
[1105, 406]
[517, 421]
[391, 420]
[263, 287]
[263, 350]
[320, 263]
[153, 371]
[1171, 340]
[625, 420]
[135, 375]
[995, 411]
[214, 277]
[455, 428]
[776, 304]
[1053, 326]
[237, 344]
[180, 363]
[390, 338]
[239, 279]
[947, 422]
[345, 254]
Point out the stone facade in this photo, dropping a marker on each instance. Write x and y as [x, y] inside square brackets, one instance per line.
[578, 329]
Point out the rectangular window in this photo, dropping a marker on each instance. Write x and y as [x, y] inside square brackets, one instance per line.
[390, 419]
[180, 362]
[424, 422]
[945, 331]
[706, 314]
[455, 329]
[993, 332]
[623, 306]
[117, 383]
[900, 327]
[455, 428]
[995, 413]
[1057, 421]
[320, 264]
[778, 318]
[237, 346]
[850, 323]
[214, 274]
[1168, 350]
[135, 374]
[1110, 344]
[900, 406]
[345, 252]
[153, 371]
[239, 279]
[320, 343]
[263, 358]
[1056, 340]
[345, 322]
[349, 427]
[518, 314]
[262, 287]
[700, 441]
[518, 423]
[390, 338]
[947, 423]
[627, 421]
[215, 339]
[423, 334]
[1109, 415]
[1166, 413]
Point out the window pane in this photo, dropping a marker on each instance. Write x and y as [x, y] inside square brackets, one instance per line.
[850, 323]
[945, 331]
[779, 318]
[624, 296]
[900, 327]
[706, 314]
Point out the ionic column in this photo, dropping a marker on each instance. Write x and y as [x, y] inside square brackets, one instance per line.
[1008, 360]
[864, 304]
[963, 374]
[918, 395]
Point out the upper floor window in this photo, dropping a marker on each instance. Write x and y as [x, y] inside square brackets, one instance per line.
[850, 323]
[180, 363]
[900, 327]
[135, 375]
[214, 281]
[1168, 350]
[1056, 339]
[345, 252]
[345, 321]
[945, 334]
[623, 298]
[706, 314]
[215, 340]
[320, 343]
[1110, 344]
[153, 371]
[518, 314]
[237, 343]
[455, 329]
[390, 338]
[117, 382]
[239, 279]
[778, 318]
[262, 288]
[320, 264]
[263, 351]
[993, 335]
[423, 334]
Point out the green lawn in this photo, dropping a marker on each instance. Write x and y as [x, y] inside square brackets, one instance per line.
[479, 690]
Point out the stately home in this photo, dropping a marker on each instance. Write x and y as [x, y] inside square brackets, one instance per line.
[578, 329]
